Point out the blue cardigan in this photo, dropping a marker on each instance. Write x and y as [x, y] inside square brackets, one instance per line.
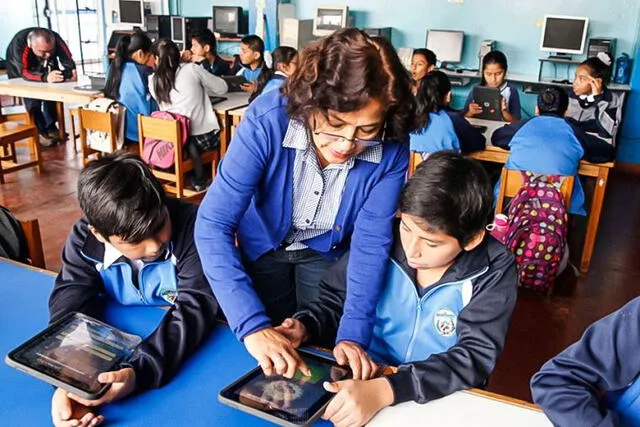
[447, 130]
[134, 94]
[252, 196]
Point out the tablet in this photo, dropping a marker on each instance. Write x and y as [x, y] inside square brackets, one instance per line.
[298, 401]
[72, 352]
[490, 99]
[234, 82]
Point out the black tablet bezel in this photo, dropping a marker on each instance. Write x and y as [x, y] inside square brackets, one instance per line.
[493, 95]
[16, 360]
[230, 393]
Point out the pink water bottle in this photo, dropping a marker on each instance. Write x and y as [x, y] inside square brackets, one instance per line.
[498, 229]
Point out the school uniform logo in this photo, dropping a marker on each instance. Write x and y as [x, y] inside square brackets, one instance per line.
[445, 322]
[169, 295]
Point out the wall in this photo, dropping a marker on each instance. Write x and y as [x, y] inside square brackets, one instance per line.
[12, 20]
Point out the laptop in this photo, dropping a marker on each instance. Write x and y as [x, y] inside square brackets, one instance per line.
[234, 82]
[96, 84]
[490, 99]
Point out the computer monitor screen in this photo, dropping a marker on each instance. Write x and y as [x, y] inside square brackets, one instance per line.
[226, 20]
[177, 25]
[564, 34]
[447, 45]
[131, 12]
[329, 19]
[115, 38]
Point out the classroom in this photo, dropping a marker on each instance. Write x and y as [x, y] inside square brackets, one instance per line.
[299, 212]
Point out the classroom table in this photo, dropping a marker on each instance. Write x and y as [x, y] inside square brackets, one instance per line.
[223, 110]
[58, 92]
[599, 171]
[191, 398]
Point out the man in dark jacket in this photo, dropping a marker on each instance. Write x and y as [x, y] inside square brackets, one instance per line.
[36, 54]
[135, 247]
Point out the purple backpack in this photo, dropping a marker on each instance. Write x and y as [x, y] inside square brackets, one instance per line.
[162, 154]
[537, 231]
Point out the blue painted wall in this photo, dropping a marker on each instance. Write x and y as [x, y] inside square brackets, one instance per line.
[12, 20]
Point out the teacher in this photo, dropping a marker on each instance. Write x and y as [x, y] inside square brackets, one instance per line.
[310, 173]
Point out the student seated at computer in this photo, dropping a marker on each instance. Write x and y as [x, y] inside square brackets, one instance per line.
[441, 128]
[184, 88]
[591, 104]
[595, 381]
[203, 51]
[550, 144]
[128, 80]
[285, 62]
[450, 289]
[423, 61]
[252, 60]
[494, 74]
[134, 246]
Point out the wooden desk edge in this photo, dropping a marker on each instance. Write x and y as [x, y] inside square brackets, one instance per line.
[504, 399]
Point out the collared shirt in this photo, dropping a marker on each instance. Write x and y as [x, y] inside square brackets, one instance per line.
[111, 255]
[317, 192]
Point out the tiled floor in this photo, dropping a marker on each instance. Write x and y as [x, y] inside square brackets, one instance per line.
[541, 326]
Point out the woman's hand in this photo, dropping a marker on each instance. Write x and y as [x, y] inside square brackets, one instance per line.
[293, 330]
[275, 353]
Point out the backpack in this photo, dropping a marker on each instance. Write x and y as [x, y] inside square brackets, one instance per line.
[99, 141]
[537, 231]
[13, 244]
[161, 153]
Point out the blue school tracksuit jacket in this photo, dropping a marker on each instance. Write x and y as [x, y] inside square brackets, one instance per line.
[446, 340]
[252, 198]
[595, 382]
[447, 130]
[90, 275]
[551, 145]
[134, 94]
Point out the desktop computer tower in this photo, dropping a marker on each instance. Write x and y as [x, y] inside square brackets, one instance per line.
[158, 26]
[182, 27]
[296, 33]
[601, 45]
[379, 32]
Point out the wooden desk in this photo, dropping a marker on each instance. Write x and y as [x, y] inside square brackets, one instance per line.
[223, 111]
[57, 92]
[236, 118]
[598, 171]
[473, 408]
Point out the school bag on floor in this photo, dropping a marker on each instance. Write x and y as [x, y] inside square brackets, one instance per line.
[13, 244]
[161, 153]
[537, 231]
[99, 141]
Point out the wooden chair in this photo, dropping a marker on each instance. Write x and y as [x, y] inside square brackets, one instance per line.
[511, 182]
[173, 179]
[414, 160]
[89, 120]
[12, 132]
[31, 230]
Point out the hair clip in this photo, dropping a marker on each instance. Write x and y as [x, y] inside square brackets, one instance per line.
[604, 57]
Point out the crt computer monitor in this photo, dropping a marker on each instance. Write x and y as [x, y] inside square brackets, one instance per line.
[564, 34]
[131, 12]
[228, 20]
[329, 19]
[446, 44]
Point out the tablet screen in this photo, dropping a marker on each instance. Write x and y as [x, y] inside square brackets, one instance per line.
[294, 400]
[75, 351]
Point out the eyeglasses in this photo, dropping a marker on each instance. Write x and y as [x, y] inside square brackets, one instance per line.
[370, 142]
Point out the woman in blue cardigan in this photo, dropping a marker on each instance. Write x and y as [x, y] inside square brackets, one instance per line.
[309, 174]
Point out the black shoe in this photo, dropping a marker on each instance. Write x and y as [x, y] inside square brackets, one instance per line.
[55, 135]
[47, 142]
[200, 185]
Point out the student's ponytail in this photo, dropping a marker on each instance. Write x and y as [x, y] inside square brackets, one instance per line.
[168, 62]
[126, 47]
[266, 74]
[281, 55]
[431, 96]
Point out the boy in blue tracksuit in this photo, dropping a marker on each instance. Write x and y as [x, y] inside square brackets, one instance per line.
[594, 382]
[449, 294]
[550, 144]
[135, 247]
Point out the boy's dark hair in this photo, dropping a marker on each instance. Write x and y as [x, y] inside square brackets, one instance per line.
[428, 54]
[344, 72]
[205, 37]
[451, 193]
[256, 44]
[126, 47]
[553, 101]
[493, 57]
[431, 96]
[599, 67]
[120, 197]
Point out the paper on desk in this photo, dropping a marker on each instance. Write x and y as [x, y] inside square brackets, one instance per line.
[461, 409]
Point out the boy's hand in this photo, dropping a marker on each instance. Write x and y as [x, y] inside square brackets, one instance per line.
[123, 383]
[356, 402]
[347, 352]
[248, 87]
[293, 330]
[275, 353]
[474, 109]
[186, 56]
[66, 412]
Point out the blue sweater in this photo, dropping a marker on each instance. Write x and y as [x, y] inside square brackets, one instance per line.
[605, 360]
[134, 94]
[551, 145]
[252, 196]
[447, 130]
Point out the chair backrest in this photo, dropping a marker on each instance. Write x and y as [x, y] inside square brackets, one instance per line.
[31, 230]
[160, 129]
[511, 182]
[414, 160]
[89, 120]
